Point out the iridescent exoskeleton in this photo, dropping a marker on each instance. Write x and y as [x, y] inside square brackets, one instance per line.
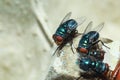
[103, 72]
[88, 44]
[91, 54]
[88, 63]
[93, 68]
[66, 32]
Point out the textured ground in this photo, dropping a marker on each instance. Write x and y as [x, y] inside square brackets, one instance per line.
[25, 50]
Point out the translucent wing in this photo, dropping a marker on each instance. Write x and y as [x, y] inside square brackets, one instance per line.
[106, 40]
[80, 20]
[88, 28]
[99, 27]
[66, 17]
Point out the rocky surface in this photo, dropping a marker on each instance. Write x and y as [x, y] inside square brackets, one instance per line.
[25, 53]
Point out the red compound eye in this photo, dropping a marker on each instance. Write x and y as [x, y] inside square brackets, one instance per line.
[59, 38]
[83, 50]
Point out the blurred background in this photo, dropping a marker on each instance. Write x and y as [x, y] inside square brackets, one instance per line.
[26, 28]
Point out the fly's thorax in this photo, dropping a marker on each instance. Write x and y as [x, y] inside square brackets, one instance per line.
[93, 36]
[84, 42]
[83, 46]
[61, 31]
[85, 63]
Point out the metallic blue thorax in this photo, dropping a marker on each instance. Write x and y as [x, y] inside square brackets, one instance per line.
[87, 39]
[66, 28]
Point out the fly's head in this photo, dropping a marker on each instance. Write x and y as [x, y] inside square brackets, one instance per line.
[58, 39]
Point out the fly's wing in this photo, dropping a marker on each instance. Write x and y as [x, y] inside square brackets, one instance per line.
[106, 40]
[99, 27]
[67, 17]
[78, 35]
[80, 20]
[88, 28]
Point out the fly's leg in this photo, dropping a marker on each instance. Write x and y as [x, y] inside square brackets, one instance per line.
[57, 50]
[58, 54]
[101, 42]
[77, 34]
[72, 49]
[72, 46]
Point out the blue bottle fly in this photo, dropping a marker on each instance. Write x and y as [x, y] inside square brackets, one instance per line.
[66, 32]
[91, 55]
[92, 68]
[87, 41]
[87, 64]
[88, 44]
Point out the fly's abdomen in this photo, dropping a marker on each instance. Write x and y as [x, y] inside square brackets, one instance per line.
[101, 67]
[85, 63]
[71, 25]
